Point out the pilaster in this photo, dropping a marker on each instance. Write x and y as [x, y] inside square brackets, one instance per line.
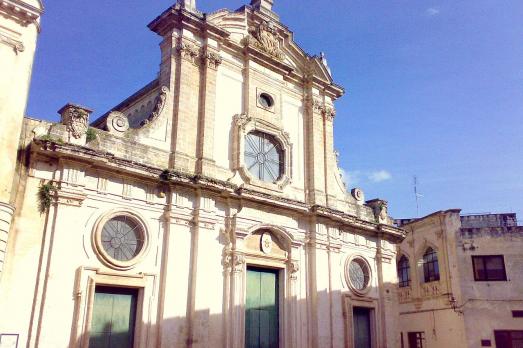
[211, 60]
[187, 105]
[315, 151]
[6, 216]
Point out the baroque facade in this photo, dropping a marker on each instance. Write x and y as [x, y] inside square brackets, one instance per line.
[206, 209]
[460, 281]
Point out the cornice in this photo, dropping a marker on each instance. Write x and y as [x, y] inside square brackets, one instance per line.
[225, 189]
[22, 12]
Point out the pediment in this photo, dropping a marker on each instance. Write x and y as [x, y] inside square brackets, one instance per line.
[271, 38]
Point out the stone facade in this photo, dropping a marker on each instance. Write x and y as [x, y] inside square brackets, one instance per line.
[464, 307]
[171, 160]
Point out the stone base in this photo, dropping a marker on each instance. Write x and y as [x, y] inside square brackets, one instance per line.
[6, 216]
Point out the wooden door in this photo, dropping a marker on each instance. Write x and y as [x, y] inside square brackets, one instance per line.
[113, 320]
[262, 309]
[362, 329]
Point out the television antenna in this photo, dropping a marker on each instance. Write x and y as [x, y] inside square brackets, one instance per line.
[417, 195]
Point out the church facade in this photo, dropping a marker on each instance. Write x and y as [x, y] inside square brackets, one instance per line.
[207, 209]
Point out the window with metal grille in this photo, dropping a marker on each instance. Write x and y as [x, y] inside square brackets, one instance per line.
[263, 156]
[517, 314]
[489, 268]
[430, 265]
[403, 272]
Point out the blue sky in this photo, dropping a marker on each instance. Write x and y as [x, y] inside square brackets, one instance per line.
[433, 88]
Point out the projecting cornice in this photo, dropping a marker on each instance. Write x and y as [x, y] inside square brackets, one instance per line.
[225, 189]
[22, 12]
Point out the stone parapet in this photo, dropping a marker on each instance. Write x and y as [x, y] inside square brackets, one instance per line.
[6, 216]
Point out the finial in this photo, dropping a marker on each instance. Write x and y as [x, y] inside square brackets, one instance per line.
[262, 4]
[188, 4]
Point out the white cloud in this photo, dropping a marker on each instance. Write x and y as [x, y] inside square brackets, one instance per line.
[432, 11]
[379, 176]
[350, 178]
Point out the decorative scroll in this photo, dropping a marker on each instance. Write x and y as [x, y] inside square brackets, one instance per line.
[159, 105]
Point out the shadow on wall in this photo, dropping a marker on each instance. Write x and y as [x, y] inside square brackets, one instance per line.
[355, 321]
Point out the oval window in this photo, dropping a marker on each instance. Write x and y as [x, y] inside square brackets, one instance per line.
[266, 101]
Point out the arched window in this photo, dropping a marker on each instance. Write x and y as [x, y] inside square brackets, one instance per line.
[263, 156]
[430, 265]
[403, 272]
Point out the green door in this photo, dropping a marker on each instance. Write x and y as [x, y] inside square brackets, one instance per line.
[261, 315]
[362, 331]
[114, 311]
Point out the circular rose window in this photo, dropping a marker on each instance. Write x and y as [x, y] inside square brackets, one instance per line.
[120, 240]
[358, 274]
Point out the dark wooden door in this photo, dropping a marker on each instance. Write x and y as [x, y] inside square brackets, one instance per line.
[262, 309]
[508, 338]
[113, 320]
[362, 329]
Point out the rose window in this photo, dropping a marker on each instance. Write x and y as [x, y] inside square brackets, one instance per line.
[122, 238]
[263, 156]
[359, 274]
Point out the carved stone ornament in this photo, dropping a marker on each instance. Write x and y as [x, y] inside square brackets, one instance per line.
[234, 262]
[264, 37]
[380, 209]
[76, 119]
[188, 51]
[117, 123]
[159, 105]
[358, 194]
[266, 243]
[213, 59]
[319, 107]
[294, 268]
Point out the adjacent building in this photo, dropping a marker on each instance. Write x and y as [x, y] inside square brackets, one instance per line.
[460, 281]
[206, 209]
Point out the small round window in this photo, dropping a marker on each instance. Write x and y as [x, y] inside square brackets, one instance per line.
[120, 240]
[358, 274]
[266, 100]
[263, 156]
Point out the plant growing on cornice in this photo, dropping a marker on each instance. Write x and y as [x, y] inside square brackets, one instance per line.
[166, 175]
[47, 137]
[45, 196]
[90, 135]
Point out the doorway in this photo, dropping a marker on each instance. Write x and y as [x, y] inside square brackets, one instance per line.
[362, 327]
[114, 317]
[262, 320]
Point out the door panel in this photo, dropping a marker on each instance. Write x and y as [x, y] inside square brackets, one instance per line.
[113, 320]
[362, 330]
[261, 317]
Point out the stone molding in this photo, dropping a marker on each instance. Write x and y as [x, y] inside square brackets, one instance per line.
[111, 162]
[22, 12]
[17, 45]
[243, 124]
[212, 58]
[188, 51]
[319, 107]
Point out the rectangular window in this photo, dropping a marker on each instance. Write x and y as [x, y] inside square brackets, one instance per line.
[508, 338]
[416, 339]
[517, 314]
[489, 268]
